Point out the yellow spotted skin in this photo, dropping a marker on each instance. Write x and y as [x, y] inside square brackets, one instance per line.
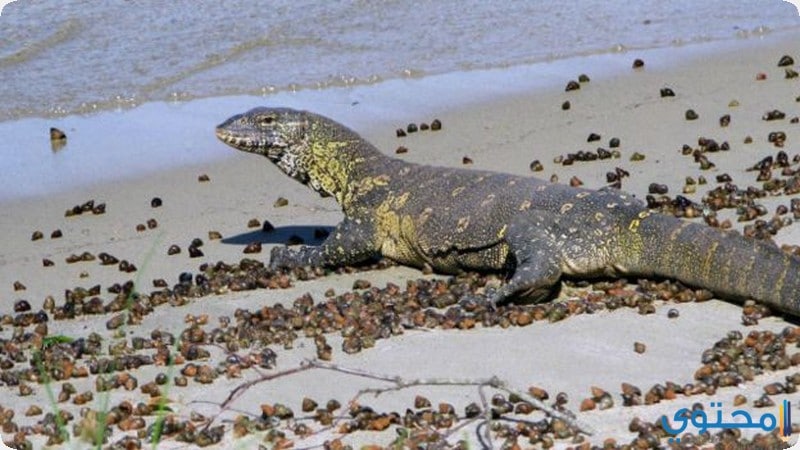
[454, 220]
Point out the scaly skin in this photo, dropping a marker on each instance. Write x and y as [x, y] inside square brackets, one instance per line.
[454, 220]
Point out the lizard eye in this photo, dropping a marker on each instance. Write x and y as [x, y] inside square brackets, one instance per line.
[265, 121]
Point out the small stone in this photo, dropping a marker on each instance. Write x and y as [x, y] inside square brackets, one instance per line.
[141, 227]
[266, 227]
[786, 60]
[466, 160]
[280, 202]
[253, 247]
[424, 126]
[613, 142]
[657, 188]
[37, 235]
[566, 105]
[21, 306]
[748, 140]
[400, 132]
[791, 73]
[155, 202]
[733, 103]
[636, 156]
[214, 235]
[56, 234]
[57, 135]
[308, 405]
[362, 284]
[593, 137]
[667, 92]
[47, 262]
[400, 150]
[575, 182]
[638, 63]
[173, 250]
[583, 78]
[253, 223]
[673, 313]
[152, 223]
[639, 347]
[19, 286]
[773, 115]
[761, 76]
[691, 114]
[203, 178]
[587, 404]
[725, 120]
[421, 402]
[195, 252]
[436, 125]
[33, 410]
[572, 85]
[412, 128]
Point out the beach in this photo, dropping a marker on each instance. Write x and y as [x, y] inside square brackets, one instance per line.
[502, 128]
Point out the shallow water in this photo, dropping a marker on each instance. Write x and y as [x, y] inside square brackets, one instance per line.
[61, 57]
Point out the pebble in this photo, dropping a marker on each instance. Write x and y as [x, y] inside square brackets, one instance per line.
[572, 85]
[401, 150]
[37, 235]
[253, 223]
[155, 202]
[203, 178]
[566, 106]
[253, 247]
[639, 347]
[466, 160]
[436, 125]
[412, 128]
[583, 78]
[786, 60]
[280, 202]
[400, 132]
[638, 63]
[691, 114]
[667, 92]
[56, 234]
[173, 250]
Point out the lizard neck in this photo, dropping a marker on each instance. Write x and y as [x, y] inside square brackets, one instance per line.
[340, 163]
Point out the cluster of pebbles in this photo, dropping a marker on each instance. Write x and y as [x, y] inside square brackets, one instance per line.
[362, 316]
[32, 356]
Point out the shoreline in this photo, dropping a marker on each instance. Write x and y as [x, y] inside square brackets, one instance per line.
[505, 130]
[170, 136]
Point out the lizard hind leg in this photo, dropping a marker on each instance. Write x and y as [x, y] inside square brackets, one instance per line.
[535, 264]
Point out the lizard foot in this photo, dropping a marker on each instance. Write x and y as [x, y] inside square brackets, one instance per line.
[281, 257]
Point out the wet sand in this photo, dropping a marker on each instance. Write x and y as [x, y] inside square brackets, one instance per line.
[503, 133]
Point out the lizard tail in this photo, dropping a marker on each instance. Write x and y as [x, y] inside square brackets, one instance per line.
[724, 262]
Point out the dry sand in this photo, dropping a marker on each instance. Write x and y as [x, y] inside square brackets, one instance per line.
[502, 132]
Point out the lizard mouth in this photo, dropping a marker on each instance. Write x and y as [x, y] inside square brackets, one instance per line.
[273, 149]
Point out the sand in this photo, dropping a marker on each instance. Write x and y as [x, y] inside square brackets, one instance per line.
[500, 129]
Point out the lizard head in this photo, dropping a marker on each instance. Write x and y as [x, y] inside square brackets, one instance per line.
[310, 148]
[280, 134]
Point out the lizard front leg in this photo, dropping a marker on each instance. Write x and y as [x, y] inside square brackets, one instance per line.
[351, 242]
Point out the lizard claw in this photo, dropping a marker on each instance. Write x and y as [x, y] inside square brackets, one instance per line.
[281, 258]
